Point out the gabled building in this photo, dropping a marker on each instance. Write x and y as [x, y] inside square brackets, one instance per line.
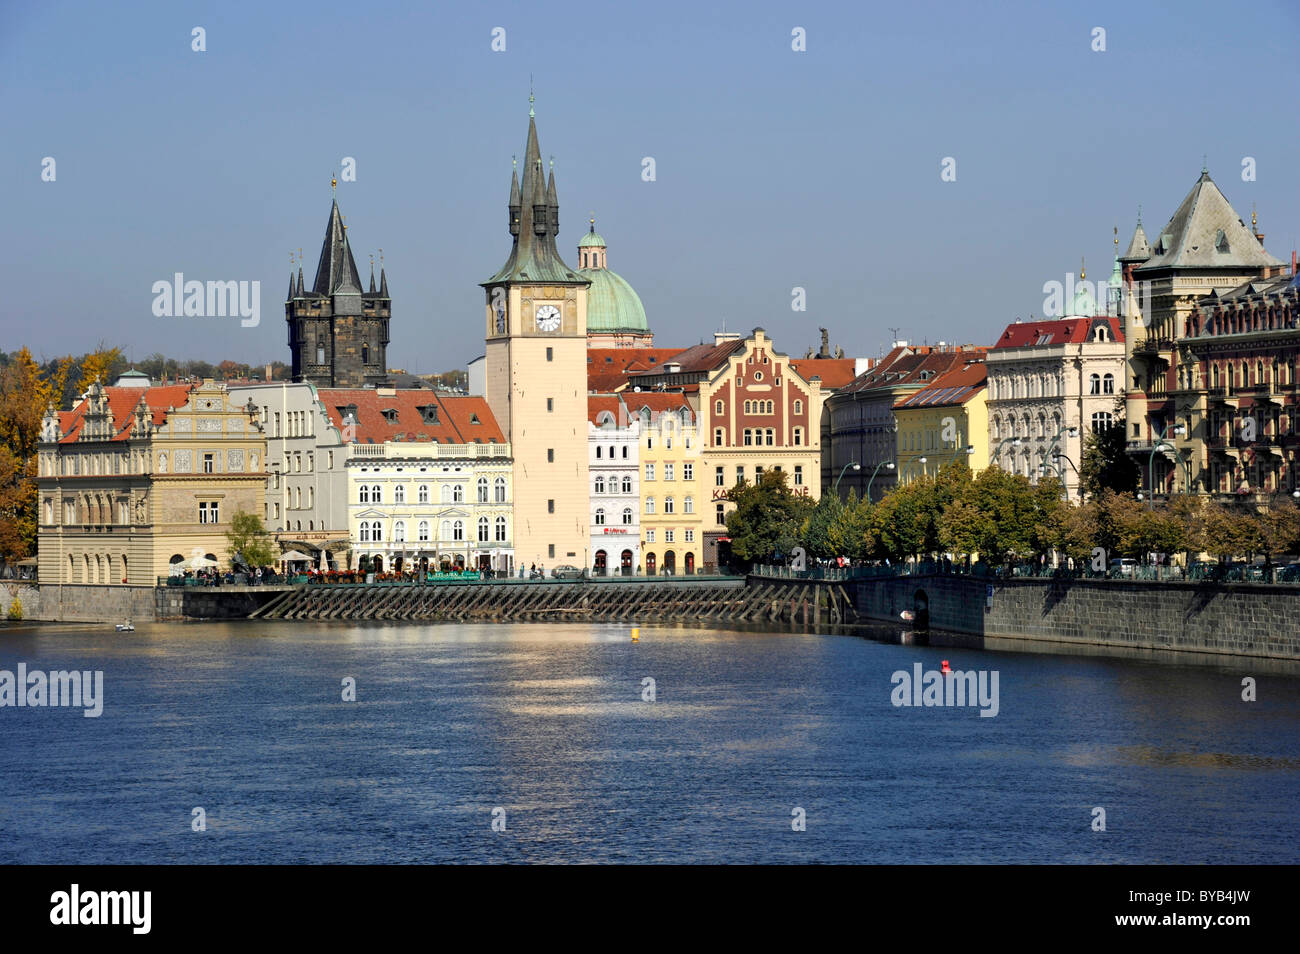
[671, 482]
[614, 438]
[136, 479]
[338, 334]
[1205, 247]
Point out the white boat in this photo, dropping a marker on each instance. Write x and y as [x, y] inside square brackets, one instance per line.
[127, 627]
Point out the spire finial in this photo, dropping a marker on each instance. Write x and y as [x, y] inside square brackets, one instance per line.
[1254, 219]
[530, 95]
[1139, 213]
[552, 163]
[1116, 230]
[381, 258]
[1083, 269]
[334, 186]
[592, 220]
[1205, 164]
[514, 162]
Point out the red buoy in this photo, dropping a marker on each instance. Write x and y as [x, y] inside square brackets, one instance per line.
[945, 668]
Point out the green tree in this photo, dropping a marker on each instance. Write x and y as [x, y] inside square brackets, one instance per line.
[850, 532]
[816, 529]
[768, 518]
[248, 539]
[1107, 464]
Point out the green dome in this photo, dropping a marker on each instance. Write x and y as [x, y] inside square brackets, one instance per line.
[592, 240]
[612, 305]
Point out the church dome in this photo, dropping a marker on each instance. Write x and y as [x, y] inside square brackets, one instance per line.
[612, 304]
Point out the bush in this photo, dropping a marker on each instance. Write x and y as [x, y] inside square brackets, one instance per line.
[15, 609]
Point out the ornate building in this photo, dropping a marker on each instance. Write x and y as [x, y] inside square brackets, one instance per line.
[614, 438]
[338, 334]
[1205, 248]
[536, 371]
[615, 316]
[135, 479]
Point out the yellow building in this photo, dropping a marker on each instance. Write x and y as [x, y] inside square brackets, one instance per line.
[947, 420]
[671, 482]
[137, 479]
[536, 374]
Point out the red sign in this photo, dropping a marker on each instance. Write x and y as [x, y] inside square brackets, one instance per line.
[615, 530]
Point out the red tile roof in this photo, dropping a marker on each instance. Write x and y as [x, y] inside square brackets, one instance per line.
[1028, 334]
[834, 372]
[659, 402]
[121, 405]
[912, 367]
[608, 368]
[459, 420]
[598, 404]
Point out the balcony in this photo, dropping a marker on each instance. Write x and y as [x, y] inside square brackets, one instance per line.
[1152, 346]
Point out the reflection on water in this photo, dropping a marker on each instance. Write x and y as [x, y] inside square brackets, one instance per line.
[547, 721]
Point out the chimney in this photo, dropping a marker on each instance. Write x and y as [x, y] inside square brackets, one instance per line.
[1293, 263]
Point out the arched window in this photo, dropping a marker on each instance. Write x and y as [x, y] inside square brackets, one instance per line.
[501, 529]
[717, 407]
[599, 451]
[445, 493]
[376, 494]
[627, 516]
[499, 490]
[458, 493]
[482, 490]
[1108, 384]
[365, 532]
[600, 484]
[446, 530]
[423, 531]
[689, 505]
[798, 407]
[399, 494]
[422, 495]
[483, 529]
[600, 516]
[376, 532]
[668, 505]
[1094, 384]
[627, 483]
[458, 530]
[399, 531]
[364, 494]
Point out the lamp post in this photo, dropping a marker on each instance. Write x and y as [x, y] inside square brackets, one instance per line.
[1058, 456]
[889, 464]
[969, 449]
[855, 465]
[1160, 445]
[1051, 448]
[920, 466]
[1013, 441]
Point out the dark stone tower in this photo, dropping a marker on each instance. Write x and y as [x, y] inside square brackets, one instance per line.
[338, 334]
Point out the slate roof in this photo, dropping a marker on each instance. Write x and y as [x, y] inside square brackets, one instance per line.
[950, 389]
[1139, 249]
[460, 420]
[1206, 232]
[337, 270]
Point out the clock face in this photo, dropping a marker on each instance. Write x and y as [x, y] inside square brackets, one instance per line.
[548, 318]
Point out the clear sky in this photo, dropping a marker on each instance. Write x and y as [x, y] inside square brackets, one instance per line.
[774, 168]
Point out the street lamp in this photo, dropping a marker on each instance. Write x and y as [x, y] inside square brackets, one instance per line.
[970, 449]
[855, 465]
[1160, 445]
[1013, 441]
[884, 463]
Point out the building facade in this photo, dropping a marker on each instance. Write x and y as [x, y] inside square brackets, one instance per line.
[944, 422]
[671, 518]
[614, 439]
[536, 372]
[136, 480]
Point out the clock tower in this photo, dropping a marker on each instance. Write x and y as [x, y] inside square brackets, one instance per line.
[536, 364]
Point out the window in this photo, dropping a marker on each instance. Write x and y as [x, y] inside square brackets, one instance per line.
[457, 494]
[719, 480]
[208, 512]
[717, 437]
[600, 516]
[1108, 384]
[399, 494]
[399, 532]
[649, 505]
[720, 515]
[758, 474]
[600, 484]
[376, 494]
[798, 407]
[365, 532]
[717, 407]
[749, 437]
[758, 375]
[550, 354]
[377, 532]
[483, 529]
[550, 505]
[668, 471]
[798, 475]
[668, 536]
[501, 529]
[599, 449]
[1101, 421]
[550, 404]
[650, 536]
[422, 495]
[550, 455]
[688, 471]
[689, 505]
[798, 437]
[458, 530]
[668, 505]
[499, 490]
[625, 452]
[771, 436]
[207, 463]
[423, 531]
[740, 473]
[627, 516]
[649, 471]
[363, 495]
[1094, 384]
[550, 550]
[627, 484]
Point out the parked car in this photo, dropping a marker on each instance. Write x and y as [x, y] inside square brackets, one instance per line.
[1125, 566]
[1289, 573]
[567, 572]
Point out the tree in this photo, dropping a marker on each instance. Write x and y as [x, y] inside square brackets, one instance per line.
[768, 517]
[850, 532]
[1107, 464]
[816, 529]
[249, 540]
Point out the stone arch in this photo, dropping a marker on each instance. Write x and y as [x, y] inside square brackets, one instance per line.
[921, 609]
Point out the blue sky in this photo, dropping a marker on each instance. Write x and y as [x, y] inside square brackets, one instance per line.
[775, 168]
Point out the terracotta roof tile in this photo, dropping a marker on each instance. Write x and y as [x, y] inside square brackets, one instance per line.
[383, 415]
[121, 405]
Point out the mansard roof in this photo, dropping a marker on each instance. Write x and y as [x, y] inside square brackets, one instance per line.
[1206, 232]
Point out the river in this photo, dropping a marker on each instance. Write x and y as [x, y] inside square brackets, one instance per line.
[548, 730]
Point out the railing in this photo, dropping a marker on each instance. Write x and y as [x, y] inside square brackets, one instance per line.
[1288, 573]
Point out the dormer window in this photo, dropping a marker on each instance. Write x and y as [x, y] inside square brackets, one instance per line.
[1220, 241]
[473, 419]
[428, 413]
[390, 415]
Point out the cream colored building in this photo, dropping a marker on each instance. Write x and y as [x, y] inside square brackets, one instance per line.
[136, 479]
[672, 479]
[536, 374]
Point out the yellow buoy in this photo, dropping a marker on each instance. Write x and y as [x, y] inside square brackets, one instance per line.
[636, 634]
